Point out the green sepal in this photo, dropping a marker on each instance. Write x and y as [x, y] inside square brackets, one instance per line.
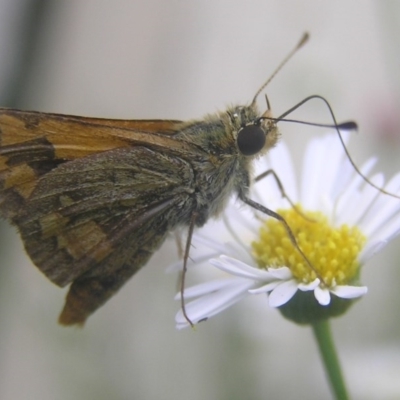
[303, 308]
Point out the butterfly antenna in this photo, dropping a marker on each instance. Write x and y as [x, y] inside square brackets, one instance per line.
[300, 44]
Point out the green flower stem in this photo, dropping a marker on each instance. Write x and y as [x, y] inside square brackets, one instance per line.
[327, 350]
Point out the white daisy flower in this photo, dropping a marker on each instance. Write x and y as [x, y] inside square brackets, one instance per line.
[339, 223]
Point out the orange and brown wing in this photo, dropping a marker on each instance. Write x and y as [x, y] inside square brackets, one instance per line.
[91, 198]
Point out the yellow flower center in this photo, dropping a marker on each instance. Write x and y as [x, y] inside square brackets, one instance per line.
[333, 252]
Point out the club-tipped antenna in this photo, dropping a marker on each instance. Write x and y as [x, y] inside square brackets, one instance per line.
[302, 41]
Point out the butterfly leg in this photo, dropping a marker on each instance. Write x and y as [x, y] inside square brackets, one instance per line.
[185, 260]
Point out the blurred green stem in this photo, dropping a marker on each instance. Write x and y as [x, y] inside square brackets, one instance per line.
[322, 332]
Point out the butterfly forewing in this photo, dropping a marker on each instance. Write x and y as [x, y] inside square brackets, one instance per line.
[32, 144]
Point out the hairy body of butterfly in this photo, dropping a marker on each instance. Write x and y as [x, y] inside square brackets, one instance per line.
[94, 198]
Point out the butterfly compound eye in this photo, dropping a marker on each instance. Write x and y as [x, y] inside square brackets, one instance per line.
[250, 140]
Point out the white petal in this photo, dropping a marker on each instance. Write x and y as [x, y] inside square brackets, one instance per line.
[344, 170]
[379, 216]
[370, 250]
[349, 292]
[239, 268]
[265, 288]
[393, 186]
[343, 177]
[322, 295]
[304, 287]
[321, 164]
[387, 232]
[266, 192]
[243, 228]
[212, 304]
[206, 288]
[192, 261]
[281, 162]
[311, 171]
[345, 213]
[242, 217]
[348, 199]
[334, 154]
[282, 293]
[282, 273]
[209, 242]
[384, 209]
[332, 158]
[368, 196]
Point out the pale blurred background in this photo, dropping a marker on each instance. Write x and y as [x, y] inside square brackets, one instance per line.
[180, 60]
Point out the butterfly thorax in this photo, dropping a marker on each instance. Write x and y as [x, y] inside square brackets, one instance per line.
[219, 168]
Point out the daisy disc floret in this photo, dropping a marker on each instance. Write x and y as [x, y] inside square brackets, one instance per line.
[332, 251]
